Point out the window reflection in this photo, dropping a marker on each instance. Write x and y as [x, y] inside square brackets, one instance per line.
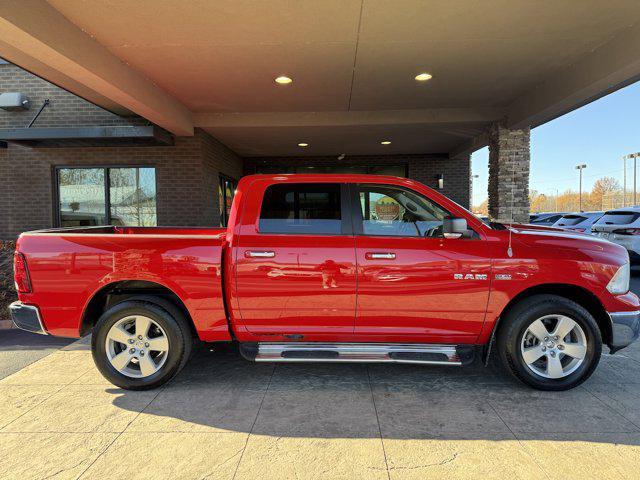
[84, 200]
[132, 195]
[81, 197]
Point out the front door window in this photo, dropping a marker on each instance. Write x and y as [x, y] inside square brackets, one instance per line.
[391, 211]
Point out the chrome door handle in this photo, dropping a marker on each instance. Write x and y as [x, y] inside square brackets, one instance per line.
[259, 254]
[380, 256]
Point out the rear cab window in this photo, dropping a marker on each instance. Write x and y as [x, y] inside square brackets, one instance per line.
[302, 208]
[618, 218]
[570, 220]
[551, 219]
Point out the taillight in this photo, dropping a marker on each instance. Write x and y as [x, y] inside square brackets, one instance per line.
[580, 230]
[628, 231]
[21, 273]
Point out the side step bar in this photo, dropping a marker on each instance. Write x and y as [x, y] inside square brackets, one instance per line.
[429, 354]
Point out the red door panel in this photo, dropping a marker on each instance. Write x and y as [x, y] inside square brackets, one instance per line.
[306, 287]
[414, 284]
[433, 290]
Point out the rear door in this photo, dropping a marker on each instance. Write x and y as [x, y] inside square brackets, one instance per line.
[414, 285]
[295, 261]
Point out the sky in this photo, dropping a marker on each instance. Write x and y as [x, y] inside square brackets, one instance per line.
[598, 135]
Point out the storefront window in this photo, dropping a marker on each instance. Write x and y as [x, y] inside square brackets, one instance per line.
[132, 196]
[82, 198]
[226, 190]
[106, 196]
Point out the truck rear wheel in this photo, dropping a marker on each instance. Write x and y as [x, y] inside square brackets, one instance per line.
[550, 342]
[139, 345]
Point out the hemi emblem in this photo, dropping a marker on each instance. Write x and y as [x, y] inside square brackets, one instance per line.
[470, 276]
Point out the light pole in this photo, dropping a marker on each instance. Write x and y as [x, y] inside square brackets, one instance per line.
[580, 168]
[635, 162]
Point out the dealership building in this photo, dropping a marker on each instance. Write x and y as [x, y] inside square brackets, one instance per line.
[148, 113]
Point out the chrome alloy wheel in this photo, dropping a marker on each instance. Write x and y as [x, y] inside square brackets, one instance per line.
[554, 346]
[137, 346]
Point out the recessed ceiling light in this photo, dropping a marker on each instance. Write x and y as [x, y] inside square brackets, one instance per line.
[302, 144]
[385, 142]
[283, 80]
[423, 77]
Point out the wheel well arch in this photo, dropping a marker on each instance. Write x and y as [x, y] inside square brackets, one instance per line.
[122, 290]
[580, 295]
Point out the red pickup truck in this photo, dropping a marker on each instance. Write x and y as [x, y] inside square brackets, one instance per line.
[332, 268]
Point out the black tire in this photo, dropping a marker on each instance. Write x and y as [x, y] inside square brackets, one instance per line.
[514, 325]
[171, 320]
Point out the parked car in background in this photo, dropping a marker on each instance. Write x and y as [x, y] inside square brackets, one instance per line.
[621, 226]
[578, 222]
[545, 219]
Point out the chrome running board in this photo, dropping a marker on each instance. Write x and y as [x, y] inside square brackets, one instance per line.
[428, 354]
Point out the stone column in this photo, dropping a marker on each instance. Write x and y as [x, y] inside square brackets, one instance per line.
[509, 159]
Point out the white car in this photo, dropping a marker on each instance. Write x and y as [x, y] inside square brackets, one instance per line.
[580, 222]
[621, 226]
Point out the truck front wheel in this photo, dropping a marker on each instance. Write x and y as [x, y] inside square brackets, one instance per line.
[550, 342]
[139, 345]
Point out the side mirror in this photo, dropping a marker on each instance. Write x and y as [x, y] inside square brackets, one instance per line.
[455, 227]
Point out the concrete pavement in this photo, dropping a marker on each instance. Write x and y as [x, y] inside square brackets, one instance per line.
[223, 417]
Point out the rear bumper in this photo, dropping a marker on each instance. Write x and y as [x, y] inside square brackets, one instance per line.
[27, 317]
[625, 327]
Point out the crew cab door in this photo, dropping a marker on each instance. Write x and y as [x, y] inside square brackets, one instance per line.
[295, 261]
[414, 285]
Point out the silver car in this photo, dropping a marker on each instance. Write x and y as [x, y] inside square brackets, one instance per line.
[621, 226]
[578, 222]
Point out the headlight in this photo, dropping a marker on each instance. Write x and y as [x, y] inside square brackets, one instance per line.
[619, 283]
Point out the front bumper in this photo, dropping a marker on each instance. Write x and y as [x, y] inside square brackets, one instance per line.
[27, 317]
[625, 328]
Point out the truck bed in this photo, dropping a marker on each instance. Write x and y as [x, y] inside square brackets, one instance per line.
[186, 261]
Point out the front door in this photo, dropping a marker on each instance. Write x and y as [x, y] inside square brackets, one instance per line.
[296, 274]
[414, 285]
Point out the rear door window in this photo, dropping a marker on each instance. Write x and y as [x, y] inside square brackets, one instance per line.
[302, 208]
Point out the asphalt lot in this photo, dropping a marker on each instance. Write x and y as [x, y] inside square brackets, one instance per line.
[223, 417]
[19, 349]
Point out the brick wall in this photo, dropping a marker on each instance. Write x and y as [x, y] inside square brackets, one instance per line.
[186, 173]
[218, 159]
[65, 109]
[423, 168]
[186, 177]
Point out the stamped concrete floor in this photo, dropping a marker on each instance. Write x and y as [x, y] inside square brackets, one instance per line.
[225, 418]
